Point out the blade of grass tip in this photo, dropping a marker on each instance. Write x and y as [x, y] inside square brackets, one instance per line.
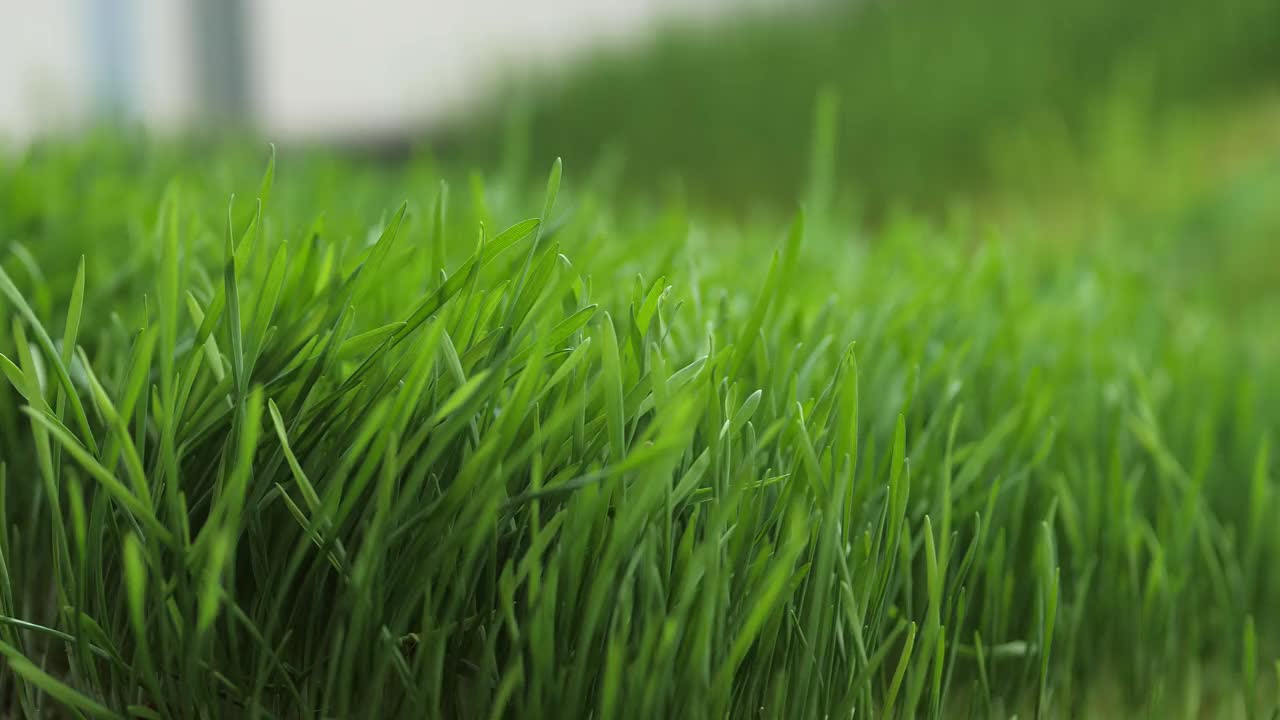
[72, 330]
[751, 329]
[54, 688]
[232, 293]
[381, 249]
[437, 299]
[309, 494]
[561, 332]
[479, 202]
[847, 419]
[169, 310]
[743, 415]
[143, 406]
[932, 626]
[899, 493]
[933, 577]
[903, 662]
[981, 659]
[562, 373]
[268, 177]
[328, 356]
[548, 203]
[817, 609]
[168, 300]
[648, 309]
[242, 255]
[503, 241]
[460, 396]
[42, 295]
[9, 290]
[1051, 613]
[268, 297]
[944, 540]
[612, 379]
[539, 291]
[658, 377]
[213, 355]
[24, 379]
[438, 216]
[553, 190]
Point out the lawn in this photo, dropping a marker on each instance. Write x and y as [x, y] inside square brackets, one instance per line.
[475, 433]
[507, 450]
[932, 91]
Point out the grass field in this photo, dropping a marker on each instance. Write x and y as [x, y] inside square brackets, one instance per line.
[933, 90]
[982, 433]
[318, 454]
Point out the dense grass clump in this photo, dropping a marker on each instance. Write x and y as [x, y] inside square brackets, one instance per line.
[317, 455]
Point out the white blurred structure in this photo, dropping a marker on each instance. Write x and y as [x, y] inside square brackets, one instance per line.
[42, 58]
[292, 68]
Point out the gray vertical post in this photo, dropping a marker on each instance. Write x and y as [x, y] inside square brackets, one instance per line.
[221, 64]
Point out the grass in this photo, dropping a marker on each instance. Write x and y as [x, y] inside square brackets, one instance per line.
[930, 91]
[515, 450]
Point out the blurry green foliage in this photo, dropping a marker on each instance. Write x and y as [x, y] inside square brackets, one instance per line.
[926, 88]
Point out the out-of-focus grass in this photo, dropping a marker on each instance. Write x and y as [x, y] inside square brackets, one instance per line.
[928, 90]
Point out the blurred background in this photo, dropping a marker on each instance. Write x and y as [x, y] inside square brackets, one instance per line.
[929, 103]
[333, 69]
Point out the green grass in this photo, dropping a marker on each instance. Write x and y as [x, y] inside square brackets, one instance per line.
[509, 451]
[929, 91]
